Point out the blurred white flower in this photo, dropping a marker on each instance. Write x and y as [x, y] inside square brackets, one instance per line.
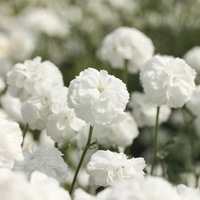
[187, 193]
[168, 81]
[10, 143]
[46, 101]
[106, 167]
[23, 43]
[80, 194]
[4, 46]
[24, 79]
[97, 97]
[14, 186]
[150, 188]
[12, 106]
[192, 57]
[48, 187]
[46, 21]
[126, 43]
[6, 66]
[61, 127]
[29, 141]
[45, 140]
[121, 134]
[44, 159]
[4, 115]
[194, 103]
[144, 112]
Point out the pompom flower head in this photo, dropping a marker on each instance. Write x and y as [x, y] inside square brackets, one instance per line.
[97, 97]
[126, 43]
[168, 81]
[10, 143]
[47, 160]
[106, 167]
[24, 79]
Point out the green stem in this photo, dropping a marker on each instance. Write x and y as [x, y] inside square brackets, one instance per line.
[155, 141]
[125, 74]
[82, 158]
[24, 133]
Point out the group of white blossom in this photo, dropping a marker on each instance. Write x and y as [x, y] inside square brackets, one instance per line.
[35, 100]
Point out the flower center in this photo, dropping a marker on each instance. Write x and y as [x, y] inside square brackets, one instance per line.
[101, 89]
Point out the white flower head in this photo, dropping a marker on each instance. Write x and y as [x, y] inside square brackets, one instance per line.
[194, 104]
[106, 167]
[12, 106]
[14, 186]
[47, 160]
[48, 187]
[126, 43]
[61, 127]
[23, 43]
[46, 21]
[150, 188]
[10, 143]
[121, 134]
[168, 81]
[97, 97]
[24, 79]
[187, 193]
[46, 101]
[4, 46]
[144, 111]
[80, 194]
[192, 57]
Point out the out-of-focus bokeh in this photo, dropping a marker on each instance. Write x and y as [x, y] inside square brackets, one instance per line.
[69, 32]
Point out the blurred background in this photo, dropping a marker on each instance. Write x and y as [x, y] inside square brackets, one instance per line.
[69, 33]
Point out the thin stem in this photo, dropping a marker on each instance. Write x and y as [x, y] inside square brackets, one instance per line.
[155, 141]
[125, 74]
[82, 158]
[24, 133]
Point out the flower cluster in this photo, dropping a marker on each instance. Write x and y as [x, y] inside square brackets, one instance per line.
[64, 138]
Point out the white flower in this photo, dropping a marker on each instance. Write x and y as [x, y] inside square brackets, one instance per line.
[121, 134]
[24, 79]
[168, 81]
[126, 43]
[187, 193]
[45, 102]
[107, 167]
[4, 46]
[45, 140]
[12, 106]
[150, 188]
[44, 159]
[23, 43]
[192, 57]
[61, 127]
[14, 186]
[194, 104]
[144, 112]
[10, 143]
[80, 194]
[97, 97]
[48, 187]
[46, 21]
